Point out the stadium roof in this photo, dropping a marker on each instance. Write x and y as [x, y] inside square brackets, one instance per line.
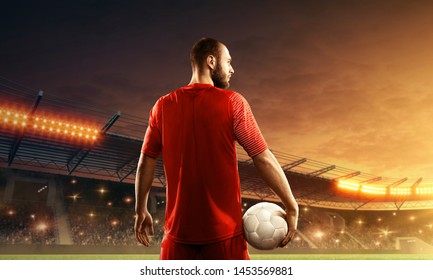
[110, 151]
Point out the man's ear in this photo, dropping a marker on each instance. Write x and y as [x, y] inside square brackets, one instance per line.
[211, 62]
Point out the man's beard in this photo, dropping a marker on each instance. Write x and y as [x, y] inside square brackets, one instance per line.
[218, 78]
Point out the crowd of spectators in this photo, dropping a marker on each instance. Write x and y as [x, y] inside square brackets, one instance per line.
[101, 226]
[27, 223]
[363, 230]
[102, 213]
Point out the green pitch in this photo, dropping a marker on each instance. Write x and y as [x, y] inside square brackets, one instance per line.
[253, 256]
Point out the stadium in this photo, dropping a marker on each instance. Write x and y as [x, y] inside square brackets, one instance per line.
[66, 188]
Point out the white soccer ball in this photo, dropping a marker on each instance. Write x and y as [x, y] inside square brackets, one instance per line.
[265, 225]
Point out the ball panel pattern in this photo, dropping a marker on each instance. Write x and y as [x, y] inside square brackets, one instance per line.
[265, 225]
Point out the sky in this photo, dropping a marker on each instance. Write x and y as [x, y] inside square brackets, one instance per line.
[342, 82]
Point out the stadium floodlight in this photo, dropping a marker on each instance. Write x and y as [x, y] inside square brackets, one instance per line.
[393, 190]
[349, 186]
[366, 189]
[424, 191]
[44, 125]
[402, 191]
[371, 190]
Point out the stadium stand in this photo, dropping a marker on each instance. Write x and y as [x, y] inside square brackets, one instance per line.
[100, 213]
[78, 176]
[27, 223]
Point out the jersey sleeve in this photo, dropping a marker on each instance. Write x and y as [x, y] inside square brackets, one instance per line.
[152, 143]
[246, 130]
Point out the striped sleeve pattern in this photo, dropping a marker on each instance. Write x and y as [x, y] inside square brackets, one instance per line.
[152, 143]
[246, 130]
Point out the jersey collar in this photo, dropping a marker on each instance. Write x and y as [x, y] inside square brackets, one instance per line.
[198, 86]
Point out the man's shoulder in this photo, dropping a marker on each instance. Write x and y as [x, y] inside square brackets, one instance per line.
[230, 93]
[237, 97]
[169, 95]
[234, 97]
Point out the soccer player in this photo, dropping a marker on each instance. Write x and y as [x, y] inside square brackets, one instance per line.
[195, 128]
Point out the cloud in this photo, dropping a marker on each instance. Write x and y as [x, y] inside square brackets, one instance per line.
[350, 90]
[341, 82]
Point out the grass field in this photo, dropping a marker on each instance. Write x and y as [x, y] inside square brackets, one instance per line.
[253, 256]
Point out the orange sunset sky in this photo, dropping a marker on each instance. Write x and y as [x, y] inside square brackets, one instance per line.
[348, 83]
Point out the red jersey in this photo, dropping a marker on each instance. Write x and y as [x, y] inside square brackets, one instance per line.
[195, 128]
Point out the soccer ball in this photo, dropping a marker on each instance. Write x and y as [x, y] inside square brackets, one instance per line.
[265, 225]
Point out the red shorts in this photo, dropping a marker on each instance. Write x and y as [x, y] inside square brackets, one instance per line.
[234, 248]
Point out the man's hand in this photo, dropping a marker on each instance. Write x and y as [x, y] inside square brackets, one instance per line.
[143, 227]
[292, 222]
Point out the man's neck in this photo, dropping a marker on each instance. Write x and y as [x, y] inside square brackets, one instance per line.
[201, 79]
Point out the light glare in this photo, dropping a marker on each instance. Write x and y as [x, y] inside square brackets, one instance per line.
[39, 124]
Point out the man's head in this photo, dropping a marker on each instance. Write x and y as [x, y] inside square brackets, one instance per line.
[210, 57]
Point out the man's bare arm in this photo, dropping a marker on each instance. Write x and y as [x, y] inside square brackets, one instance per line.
[143, 182]
[272, 173]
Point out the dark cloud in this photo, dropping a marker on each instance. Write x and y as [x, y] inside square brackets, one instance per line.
[342, 82]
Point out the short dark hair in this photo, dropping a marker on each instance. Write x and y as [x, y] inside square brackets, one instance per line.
[202, 49]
